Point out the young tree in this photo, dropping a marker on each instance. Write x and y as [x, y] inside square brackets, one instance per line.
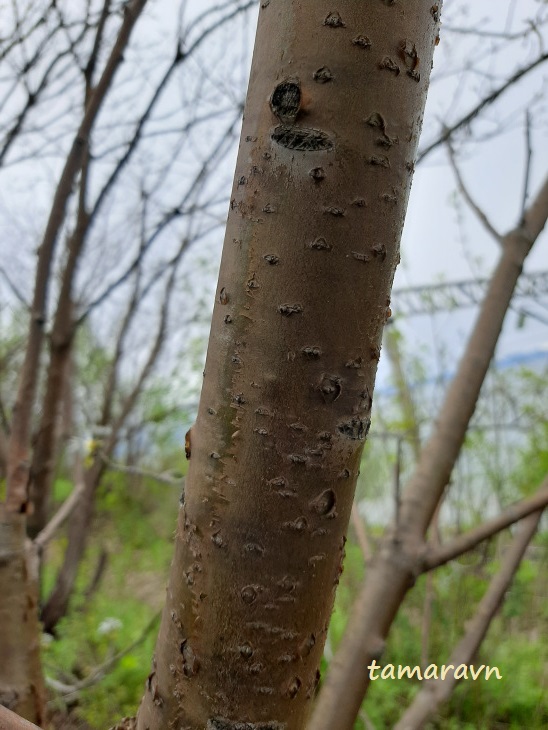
[330, 133]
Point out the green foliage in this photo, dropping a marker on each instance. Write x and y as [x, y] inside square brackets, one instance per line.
[135, 522]
[514, 643]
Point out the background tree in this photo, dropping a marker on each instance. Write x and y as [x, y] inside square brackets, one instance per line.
[65, 85]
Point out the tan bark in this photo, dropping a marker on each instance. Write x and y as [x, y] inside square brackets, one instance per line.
[437, 691]
[398, 561]
[10, 721]
[21, 684]
[312, 241]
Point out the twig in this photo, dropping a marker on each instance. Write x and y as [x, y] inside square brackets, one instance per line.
[480, 214]
[361, 534]
[96, 675]
[473, 113]
[164, 477]
[62, 514]
[435, 557]
[529, 156]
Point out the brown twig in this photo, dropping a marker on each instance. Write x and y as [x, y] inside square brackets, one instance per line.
[480, 214]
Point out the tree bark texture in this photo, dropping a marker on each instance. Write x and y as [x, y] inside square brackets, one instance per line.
[435, 692]
[21, 684]
[399, 559]
[330, 132]
[10, 721]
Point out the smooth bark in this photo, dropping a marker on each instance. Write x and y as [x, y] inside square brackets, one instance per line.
[330, 132]
[21, 684]
[10, 721]
[397, 564]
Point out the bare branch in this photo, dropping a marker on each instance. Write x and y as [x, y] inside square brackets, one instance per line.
[473, 113]
[440, 453]
[500, 35]
[99, 673]
[14, 288]
[177, 212]
[166, 477]
[480, 214]
[528, 158]
[437, 556]
[18, 467]
[434, 692]
[62, 514]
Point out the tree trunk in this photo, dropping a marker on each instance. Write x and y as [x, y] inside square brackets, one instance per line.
[330, 132]
[10, 721]
[21, 684]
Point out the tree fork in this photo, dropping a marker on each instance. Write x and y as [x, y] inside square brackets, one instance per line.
[330, 132]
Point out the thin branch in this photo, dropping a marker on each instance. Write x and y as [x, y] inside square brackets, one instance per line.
[62, 514]
[435, 557]
[69, 691]
[361, 534]
[92, 61]
[436, 691]
[528, 158]
[178, 212]
[480, 214]
[473, 113]
[18, 462]
[501, 35]
[14, 288]
[165, 477]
